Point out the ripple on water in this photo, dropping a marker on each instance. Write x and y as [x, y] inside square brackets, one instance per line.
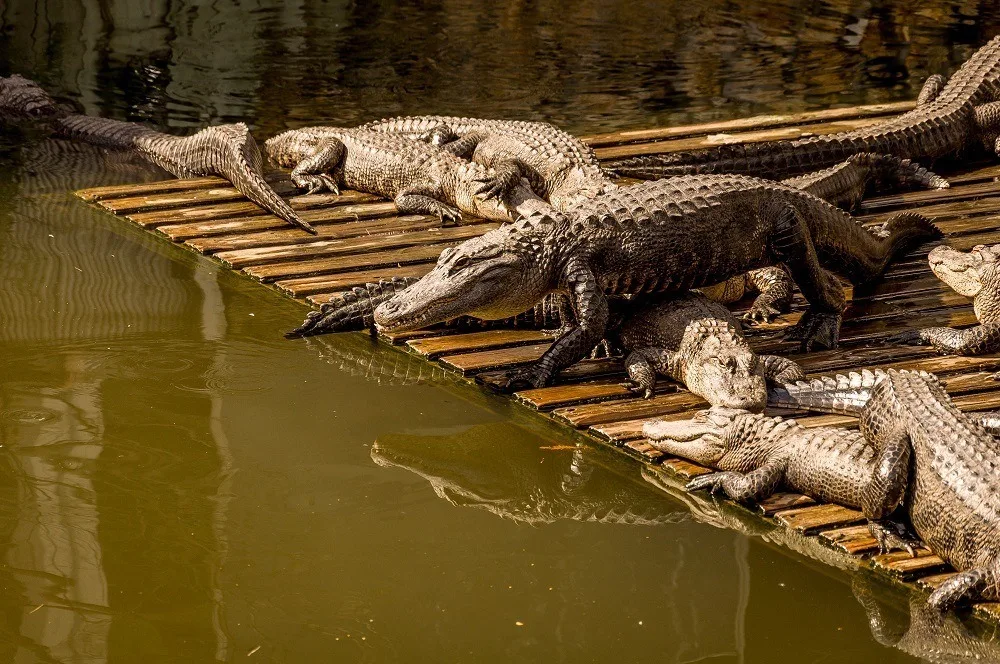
[28, 415]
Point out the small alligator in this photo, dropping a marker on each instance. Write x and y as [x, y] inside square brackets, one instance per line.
[688, 338]
[931, 457]
[561, 168]
[949, 119]
[756, 454]
[974, 274]
[665, 236]
[225, 150]
[418, 177]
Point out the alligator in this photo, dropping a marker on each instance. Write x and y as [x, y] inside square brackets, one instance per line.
[561, 168]
[668, 236]
[973, 274]
[949, 119]
[932, 458]
[418, 177]
[755, 454]
[225, 150]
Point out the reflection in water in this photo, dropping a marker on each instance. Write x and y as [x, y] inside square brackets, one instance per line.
[366, 357]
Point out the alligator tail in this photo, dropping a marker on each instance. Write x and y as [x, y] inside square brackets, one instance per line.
[23, 99]
[840, 394]
[904, 231]
[351, 310]
[895, 173]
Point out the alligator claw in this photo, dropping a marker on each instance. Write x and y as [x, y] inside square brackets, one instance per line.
[490, 188]
[645, 391]
[761, 312]
[816, 329]
[523, 379]
[314, 184]
[711, 481]
[892, 535]
[905, 338]
[449, 216]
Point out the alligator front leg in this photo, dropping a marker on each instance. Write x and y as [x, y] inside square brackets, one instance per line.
[979, 583]
[506, 176]
[591, 308]
[642, 365]
[931, 89]
[416, 201]
[781, 370]
[775, 287]
[749, 487]
[887, 484]
[977, 340]
[351, 310]
[315, 172]
[792, 243]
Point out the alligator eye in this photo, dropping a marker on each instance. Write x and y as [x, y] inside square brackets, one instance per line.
[461, 262]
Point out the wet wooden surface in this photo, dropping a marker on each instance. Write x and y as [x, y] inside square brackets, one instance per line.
[362, 239]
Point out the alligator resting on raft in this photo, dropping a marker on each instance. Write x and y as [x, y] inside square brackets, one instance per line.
[679, 233]
[932, 459]
[228, 150]
[974, 274]
[950, 118]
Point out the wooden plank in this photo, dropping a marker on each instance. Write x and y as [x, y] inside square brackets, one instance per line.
[783, 500]
[743, 124]
[494, 359]
[321, 288]
[337, 264]
[713, 140]
[186, 198]
[288, 253]
[901, 565]
[855, 540]
[587, 415]
[684, 468]
[489, 339]
[286, 236]
[93, 194]
[243, 217]
[815, 518]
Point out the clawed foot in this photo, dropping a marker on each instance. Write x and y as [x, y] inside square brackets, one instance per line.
[713, 482]
[524, 379]
[892, 535]
[448, 215]
[314, 184]
[645, 391]
[906, 338]
[761, 312]
[816, 330]
[496, 186]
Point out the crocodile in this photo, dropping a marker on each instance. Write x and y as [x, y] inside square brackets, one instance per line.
[561, 168]
[949, 119]
[668, 236]
[755, 454]
[418, 177]
[227, 150]
[975, 274]
[932, 458]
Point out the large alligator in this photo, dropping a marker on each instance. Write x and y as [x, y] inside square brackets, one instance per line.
[225, 150]
[418, 177]
[755, 455]
[562, 169]
[665, 236]
[949, 119]
[931, 457]
[974, 274]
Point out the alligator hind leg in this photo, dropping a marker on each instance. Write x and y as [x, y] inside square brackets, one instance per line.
[931, 89]
[971, 585]
[314, 172]
[775, 287]
[642, 366]
[781, 370]
[418, 202]
[792, 243]
[885, 488]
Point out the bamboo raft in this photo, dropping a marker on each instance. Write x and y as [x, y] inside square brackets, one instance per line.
[362, 239]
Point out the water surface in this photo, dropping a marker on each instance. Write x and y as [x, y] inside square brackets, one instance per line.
[181, 484]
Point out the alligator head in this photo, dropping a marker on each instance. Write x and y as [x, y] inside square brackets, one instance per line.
[495, 276]
[975, 274]
[705, 438]
[719, 366]
[23, 99]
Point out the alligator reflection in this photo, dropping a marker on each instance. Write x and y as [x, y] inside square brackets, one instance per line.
[929, 634]
[364, 356]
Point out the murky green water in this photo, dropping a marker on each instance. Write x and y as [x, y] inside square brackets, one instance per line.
[181, 484]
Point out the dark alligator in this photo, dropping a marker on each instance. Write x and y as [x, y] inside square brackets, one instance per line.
[561, 168]
[418, 177]
[228, 151]
[931, 457]
[974, 274]
[665, 236]
[949, 119]
[756, 454]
